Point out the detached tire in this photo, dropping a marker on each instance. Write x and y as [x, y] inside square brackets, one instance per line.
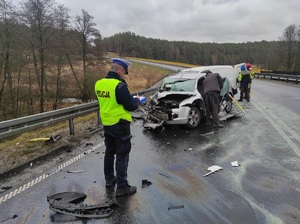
[194, 118]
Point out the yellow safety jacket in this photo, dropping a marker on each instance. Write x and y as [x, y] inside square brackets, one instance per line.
[110, 111]
[240, 77]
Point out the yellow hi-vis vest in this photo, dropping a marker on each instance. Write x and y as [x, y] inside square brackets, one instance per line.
[110, 111]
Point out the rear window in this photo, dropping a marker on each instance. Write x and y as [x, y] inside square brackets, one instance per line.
[225, 72]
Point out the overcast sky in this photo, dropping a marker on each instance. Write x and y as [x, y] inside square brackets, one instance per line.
[220, 21]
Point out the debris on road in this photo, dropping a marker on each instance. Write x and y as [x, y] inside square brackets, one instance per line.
[152, 126]
[146, 183]
[175, 207]
[164, 175]
[53, 139]
[13, 217]
[47, 140]
[5, 188]
[213, 169]
[235, 164]
[75, 171]
[71, 203]
[90, 129]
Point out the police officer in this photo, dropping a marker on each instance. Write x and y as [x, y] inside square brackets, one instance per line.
[115, 102]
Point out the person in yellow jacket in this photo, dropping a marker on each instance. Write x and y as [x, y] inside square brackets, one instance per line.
[245, 80]
[115, 102]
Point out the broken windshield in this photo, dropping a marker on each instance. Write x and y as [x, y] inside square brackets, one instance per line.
[176, 84]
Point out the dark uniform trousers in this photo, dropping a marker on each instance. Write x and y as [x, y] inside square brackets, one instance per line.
[212, 105]
[117, 142]
[245, 91]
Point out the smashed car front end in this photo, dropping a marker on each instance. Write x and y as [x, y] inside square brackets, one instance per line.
[172, 108]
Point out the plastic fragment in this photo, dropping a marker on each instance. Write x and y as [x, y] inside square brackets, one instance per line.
[235, 164]
[164, 175]
[213, 169]
[75, 171]
[175, 207]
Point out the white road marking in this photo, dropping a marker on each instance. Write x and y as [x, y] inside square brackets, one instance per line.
[44, 176]
[281, 128]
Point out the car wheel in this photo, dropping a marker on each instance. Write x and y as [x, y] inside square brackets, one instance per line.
[194, 118]
[228, 107]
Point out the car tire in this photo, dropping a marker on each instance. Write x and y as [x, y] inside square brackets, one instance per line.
[228, 107]
[194, 118]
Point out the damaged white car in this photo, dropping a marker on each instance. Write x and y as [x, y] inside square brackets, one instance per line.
[180, 98]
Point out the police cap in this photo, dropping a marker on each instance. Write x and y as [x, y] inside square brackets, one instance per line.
[125, 64]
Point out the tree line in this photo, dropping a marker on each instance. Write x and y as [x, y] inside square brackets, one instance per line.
[47, 55]
[283, 55]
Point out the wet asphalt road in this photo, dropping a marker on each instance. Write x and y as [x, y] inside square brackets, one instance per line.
[265, 188]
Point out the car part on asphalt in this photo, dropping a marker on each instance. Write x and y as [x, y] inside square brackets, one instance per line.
[146, 183]
[175, 207]
[213, 169]
[71, 203]
[5, 188]
[235, 164]
[75, 171]
[13, 217]
[164, 175]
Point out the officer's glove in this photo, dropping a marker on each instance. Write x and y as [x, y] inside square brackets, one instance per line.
[142, 99]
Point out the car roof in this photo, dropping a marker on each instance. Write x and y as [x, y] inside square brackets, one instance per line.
[211, 68]
[196, 72]
[187, 75]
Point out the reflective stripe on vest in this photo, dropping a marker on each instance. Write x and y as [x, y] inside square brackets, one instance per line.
[110, 111]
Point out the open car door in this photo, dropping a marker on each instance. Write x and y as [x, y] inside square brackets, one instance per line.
[225, 99]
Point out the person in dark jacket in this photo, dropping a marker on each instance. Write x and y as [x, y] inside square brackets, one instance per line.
[212, 85]
[115, 102]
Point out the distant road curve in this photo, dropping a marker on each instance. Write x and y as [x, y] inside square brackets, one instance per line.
[170, 67]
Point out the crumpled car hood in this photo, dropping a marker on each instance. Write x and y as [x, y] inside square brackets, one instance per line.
[173, 98]
[174, 95]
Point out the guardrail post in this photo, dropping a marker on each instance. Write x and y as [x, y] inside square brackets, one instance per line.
[71, 127]
[98, 117]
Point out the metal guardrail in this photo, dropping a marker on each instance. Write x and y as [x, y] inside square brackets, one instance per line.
[284, 77]
[20, 125]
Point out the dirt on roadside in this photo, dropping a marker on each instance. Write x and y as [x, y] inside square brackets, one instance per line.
[12, 161]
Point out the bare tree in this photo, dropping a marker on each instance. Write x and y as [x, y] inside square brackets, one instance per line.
[6, 30]
[62, 25]
[39, 17]
[86, 28]
[289, 36]
[66, 41]
[297, 61]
